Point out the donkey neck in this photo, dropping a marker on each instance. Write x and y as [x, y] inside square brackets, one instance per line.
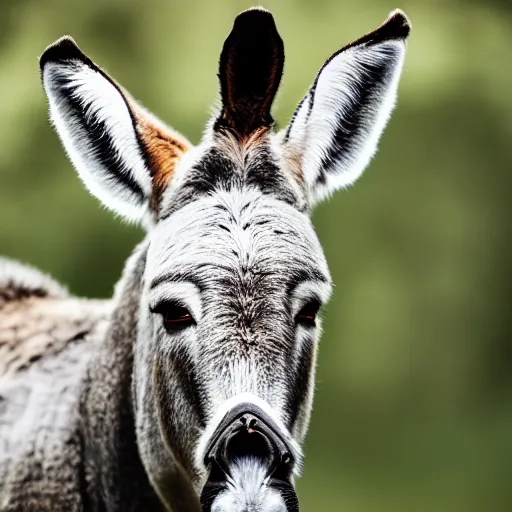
[114, 475]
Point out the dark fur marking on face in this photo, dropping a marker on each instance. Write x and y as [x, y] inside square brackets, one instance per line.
[218, 170]
[297, 276]
[264, 174]
[178, 276]
[178, 372]
[299, 381]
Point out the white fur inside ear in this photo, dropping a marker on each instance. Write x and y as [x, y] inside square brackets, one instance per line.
[109, 160]
[340, 95]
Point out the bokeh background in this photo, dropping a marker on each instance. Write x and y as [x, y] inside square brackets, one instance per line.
[413, 407]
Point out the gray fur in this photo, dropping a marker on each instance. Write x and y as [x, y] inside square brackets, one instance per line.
[45, 345]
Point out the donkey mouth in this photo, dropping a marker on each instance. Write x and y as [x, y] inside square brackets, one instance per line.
[249, 458]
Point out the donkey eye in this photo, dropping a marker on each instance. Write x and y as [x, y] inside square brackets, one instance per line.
[175, 316]
[307, 315]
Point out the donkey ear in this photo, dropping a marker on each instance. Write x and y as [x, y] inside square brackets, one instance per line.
[250, 70]
[337, 126]
[124, 155]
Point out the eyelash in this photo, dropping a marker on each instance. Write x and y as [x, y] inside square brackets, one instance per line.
[308, 313]
[175, 316]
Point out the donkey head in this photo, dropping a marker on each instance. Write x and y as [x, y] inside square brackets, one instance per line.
[225, 348]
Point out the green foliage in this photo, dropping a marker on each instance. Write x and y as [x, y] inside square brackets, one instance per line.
[413, 408]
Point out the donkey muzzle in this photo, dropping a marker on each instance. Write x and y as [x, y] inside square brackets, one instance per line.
[250, 463]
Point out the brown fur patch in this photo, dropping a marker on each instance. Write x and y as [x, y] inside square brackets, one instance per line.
[163, 150]
[292, 157]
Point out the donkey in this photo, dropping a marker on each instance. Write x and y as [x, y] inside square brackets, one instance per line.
[192, 388]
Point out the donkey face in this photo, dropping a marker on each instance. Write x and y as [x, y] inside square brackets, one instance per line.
[224, 353]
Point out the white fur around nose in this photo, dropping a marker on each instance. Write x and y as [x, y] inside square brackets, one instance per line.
[247, 490]
[227, 406]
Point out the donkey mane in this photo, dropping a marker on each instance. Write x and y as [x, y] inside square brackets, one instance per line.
[18, 281]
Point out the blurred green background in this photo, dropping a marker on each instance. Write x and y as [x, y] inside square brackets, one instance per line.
[413, 408]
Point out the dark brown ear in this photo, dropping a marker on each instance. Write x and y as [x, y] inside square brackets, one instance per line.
[250, 69]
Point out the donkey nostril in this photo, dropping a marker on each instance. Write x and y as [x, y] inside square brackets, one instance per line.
[248, 443]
